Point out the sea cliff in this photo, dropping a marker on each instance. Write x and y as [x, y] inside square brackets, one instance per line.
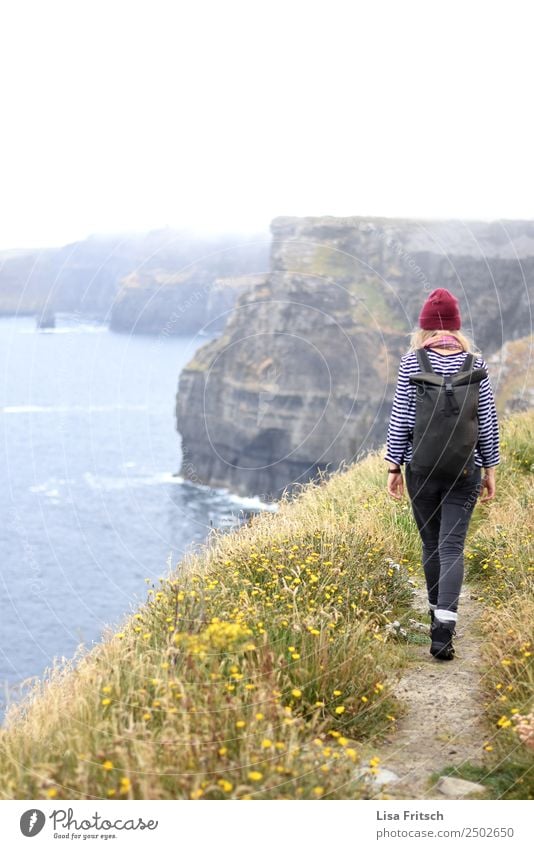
[155, 282]
[302, 379]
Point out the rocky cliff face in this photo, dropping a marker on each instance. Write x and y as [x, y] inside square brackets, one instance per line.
[82, 277]
[290, 388]
[396, 262]
[180, 290]
[150, 283]
[512, 370]
[303, 377]
[223, 295]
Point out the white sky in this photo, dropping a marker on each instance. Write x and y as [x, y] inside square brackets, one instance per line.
[221, 115]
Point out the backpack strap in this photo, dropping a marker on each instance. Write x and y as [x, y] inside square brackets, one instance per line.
[424, 360]
[425, 364]
[468, 363]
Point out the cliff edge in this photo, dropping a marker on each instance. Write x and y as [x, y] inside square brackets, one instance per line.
[303, 376]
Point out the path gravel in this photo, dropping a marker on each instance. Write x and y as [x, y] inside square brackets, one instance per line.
[443, 724]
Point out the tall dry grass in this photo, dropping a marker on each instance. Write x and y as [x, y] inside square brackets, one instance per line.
[260, 666]
[255, 670]
[500, 564]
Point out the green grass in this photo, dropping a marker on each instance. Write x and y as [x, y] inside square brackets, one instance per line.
[263, 665]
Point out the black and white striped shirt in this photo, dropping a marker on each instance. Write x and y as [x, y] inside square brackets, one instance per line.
[402, 420]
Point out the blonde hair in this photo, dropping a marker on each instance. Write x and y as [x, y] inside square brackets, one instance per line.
[418, 337]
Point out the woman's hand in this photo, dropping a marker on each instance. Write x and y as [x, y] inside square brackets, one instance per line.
[488, 484]
[396, 485]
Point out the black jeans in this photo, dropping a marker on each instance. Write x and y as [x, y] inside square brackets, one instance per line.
[442, 511]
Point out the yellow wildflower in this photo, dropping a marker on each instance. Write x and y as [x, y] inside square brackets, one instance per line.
[125, 784]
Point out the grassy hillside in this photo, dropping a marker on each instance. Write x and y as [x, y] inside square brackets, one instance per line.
[513, 368]
[500, 564]
[264, 662]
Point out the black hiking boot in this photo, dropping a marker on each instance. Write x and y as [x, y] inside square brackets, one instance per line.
[441, 634]
[431, 612]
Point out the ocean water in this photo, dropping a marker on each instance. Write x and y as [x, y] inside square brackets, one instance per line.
[90, 504]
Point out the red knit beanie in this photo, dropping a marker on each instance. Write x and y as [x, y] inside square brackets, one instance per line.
[440, 311]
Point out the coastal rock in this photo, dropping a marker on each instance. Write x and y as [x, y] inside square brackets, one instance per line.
[458, 788]
[223, 295]
[191, 287]
[287, 392]
[302, 379]
[378, 775]
[155, 282]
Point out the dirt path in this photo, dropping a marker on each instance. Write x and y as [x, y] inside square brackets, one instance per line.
[442, 725]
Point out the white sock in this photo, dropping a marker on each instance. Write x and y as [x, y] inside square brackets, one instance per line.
[445, 615]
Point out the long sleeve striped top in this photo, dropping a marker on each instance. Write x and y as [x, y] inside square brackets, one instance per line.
[402, 419]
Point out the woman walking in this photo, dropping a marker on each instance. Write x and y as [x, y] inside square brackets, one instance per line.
[442, 499]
